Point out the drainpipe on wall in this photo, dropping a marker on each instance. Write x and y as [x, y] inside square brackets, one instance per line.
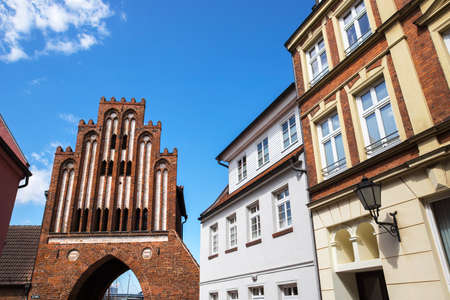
[27, 178]
[222, 164]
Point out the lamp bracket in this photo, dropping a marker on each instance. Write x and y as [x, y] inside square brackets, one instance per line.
[391, 228]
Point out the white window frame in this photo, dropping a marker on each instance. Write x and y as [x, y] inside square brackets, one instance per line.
[360, 38]
[214, 239]
[257, 216]
[232, 293]
[291, 131]
[232, 224]
[446, 38]
[322, 70]
[331, 136]
[437, 238]
[242, 168]
[283, 202]
[263, 155]
[260, 292]
[292, 288]
[376, 107]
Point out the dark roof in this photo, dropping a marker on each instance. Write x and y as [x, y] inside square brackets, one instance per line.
[180, 199]
[18, 255]
[8, 138]
[290, 88]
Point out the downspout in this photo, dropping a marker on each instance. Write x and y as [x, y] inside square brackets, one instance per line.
[27, 178]
[185, 220]
[222, 164]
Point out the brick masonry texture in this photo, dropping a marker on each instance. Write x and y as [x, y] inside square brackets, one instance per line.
[171, 272]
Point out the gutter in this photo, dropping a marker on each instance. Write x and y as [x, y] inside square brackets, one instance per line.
[18, 162]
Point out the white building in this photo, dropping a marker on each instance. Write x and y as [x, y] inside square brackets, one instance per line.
[256, 238]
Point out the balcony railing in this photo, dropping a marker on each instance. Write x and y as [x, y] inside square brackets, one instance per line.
[318, 76]
[334, 168]
[383, 144]
[357, 43]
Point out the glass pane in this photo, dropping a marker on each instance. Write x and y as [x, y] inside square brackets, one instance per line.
[328, 153]
[312, 52]
[285, 126]
[285, 139]
[364, 24]
[366, 100]
[321, 44]
[281, 216]
[288, 212]
[372, 128]
[360, 7]
[388, 119]
[315, 67]
[348, 18]
[351, 35]
[335, 122]
[339, 147]
[381, 91]
[323, 60]
[441, 211]
[325, 129]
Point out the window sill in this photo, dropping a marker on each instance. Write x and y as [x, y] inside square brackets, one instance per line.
[213, 256]
[290, 146]
[282, 232]
[231, 250]
[241, 181]
[253, 243]
[263, 165]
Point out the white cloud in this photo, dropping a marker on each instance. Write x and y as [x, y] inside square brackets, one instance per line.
[69, 118]
[66, 26]
[37, 81]
[123, 16]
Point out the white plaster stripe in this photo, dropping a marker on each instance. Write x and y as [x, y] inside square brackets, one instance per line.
[68, 201]
[100, 191]
[61, 199]
[87, 202]
[131, 140]
[157, 199]
[108, 191]
[120, 192]
[140, 174]
[84, 174]
[164, 202]
[148, 151]
[127, 191]
[108, 137]
[101, 240]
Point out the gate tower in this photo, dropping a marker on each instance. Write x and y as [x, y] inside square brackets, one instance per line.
[114, 205]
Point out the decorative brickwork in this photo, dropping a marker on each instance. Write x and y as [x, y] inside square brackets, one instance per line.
[114, 205]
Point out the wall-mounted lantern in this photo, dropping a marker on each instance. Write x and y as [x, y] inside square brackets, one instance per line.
[369, 193]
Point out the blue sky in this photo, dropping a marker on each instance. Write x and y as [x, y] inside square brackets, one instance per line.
[206, 69]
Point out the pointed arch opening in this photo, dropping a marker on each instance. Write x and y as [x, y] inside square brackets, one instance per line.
[106, 278]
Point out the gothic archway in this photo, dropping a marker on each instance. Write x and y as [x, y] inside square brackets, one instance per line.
[93, 284]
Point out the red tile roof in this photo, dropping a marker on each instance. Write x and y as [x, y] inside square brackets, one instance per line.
[225, 198]
[18, 255]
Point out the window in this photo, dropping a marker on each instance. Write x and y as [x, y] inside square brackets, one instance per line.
[331, 146]
[232, 231]
[446, 37]
[377, 119]
[289, 132]
[257, 293]
[355, 27]
[283, 205]
[233, 295]
[317, 61]
[441, 230]
[242, 168]
[214, 239]
[289, 292]
[254, 221]
[213, 296]
[263, 152]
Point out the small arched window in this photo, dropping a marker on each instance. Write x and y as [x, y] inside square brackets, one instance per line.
[129, 168]
[124, 219]
[103, 168]
[110, 167]
[137, 219]
[84, 220]
[117, 220]
[124, 142]
[144, 219]
[98, 214]
[122, 168]
[76, 222]
[105, 219]
[113, 141]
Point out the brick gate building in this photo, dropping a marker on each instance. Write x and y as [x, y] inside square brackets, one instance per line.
[114, 205]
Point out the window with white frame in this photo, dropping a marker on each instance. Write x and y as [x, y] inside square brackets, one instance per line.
[331, 146]
[263, 152]
[213, 296]
[283, 206]
[289, 128]
[254, 221]
[214, 239]
[257, 293]
[377, 118]
[355, 26]
[233, 295]
[242, 168]
[317, 61]
[446, 37]
[289, 292]
[232, 231]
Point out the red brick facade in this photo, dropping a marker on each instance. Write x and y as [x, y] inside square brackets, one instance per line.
[112, 198]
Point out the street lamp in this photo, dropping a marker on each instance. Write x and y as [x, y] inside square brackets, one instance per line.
[369, 193]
